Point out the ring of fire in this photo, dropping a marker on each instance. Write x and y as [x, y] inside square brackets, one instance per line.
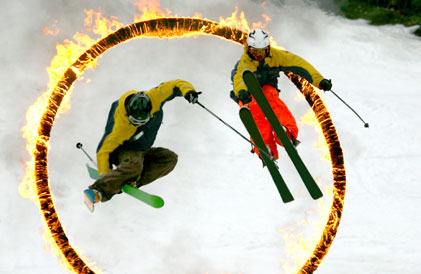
[169, 28]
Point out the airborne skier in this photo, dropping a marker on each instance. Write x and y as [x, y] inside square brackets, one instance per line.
[132, 125]
[266, 63]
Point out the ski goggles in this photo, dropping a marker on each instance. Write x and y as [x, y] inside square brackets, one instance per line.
[259, 54]
[139, 121]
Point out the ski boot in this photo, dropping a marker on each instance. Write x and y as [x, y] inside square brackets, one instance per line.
[91, 197]
[272, 158]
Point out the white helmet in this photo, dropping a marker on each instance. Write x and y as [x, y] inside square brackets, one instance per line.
[258, 38]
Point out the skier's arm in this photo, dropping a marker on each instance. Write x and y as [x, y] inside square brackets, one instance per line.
[166, 91]
[103, 155]
[294, 63]
[237, 80]
[117, 131]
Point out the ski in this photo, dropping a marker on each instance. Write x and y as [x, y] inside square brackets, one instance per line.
[88, 200]
[255, 89]
[149, 199]
[250, 124]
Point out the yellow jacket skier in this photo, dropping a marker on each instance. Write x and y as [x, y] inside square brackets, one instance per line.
[132, 125]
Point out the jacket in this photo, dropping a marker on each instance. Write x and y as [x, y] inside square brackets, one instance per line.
[267, 71]
[120, 134]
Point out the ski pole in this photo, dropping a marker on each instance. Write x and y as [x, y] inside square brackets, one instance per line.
[236, 131]
[80, 146]
[365, 124]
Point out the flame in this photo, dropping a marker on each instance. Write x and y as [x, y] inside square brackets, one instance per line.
[53, 30]
[337, 190]
[103, 26]
[299, 246]
[73, 57]
[310, 119]
[151, 9]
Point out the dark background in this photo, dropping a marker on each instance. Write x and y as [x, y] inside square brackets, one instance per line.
[381, 12]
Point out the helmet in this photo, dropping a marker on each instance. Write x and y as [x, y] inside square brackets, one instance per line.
[258, 39]
[139, 108]
[258, 44]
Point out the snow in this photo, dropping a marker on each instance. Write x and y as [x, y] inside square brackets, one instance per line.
[222, 212]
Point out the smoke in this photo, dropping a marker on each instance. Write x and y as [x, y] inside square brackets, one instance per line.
[330, 6]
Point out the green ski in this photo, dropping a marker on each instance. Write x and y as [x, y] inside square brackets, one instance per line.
[250, 124]
[255, 89]
[152, 200]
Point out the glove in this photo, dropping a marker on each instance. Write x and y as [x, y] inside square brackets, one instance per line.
[325, 85]
[244, 96]
[192, 96]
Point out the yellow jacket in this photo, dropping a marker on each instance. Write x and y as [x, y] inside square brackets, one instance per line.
[120, 134]
[267, 70]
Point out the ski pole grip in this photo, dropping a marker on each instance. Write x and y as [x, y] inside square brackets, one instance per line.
[80, 146]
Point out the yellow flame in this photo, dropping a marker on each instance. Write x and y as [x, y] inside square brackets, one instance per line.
[236, 21]
[67, 53]
[310, 119]
[53, 30]
[300, 245]
[101, 25]
[151, 9]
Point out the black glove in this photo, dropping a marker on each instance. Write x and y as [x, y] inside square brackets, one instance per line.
[325, 85]
[244, 96]
[192, 96]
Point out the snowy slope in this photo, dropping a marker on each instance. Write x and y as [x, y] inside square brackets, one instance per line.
[222, 212]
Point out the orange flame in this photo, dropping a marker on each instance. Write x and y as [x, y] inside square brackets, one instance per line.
[151, 9]
[337, 190]
[310, 119]
[53, 30]
[299, 245]
[100, 25]
[72, 58]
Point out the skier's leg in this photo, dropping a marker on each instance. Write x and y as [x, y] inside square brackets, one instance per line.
[158, 162]
[264, 127]
[129, 169]
[281, 110]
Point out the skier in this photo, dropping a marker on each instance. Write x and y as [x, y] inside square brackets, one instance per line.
[132, 125]
[266, 63]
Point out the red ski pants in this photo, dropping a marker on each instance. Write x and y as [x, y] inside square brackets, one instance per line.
[282, 112]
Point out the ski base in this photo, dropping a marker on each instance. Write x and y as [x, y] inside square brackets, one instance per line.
[88, 202]
[149, 199]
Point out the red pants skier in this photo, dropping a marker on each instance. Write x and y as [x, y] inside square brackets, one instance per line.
[267, 62]
[282, 112]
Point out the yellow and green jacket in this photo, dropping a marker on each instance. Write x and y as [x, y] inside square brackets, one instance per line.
[267, 71]
[120, 134]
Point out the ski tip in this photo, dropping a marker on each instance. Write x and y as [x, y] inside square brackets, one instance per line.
[289, 200]
[159, 202]
[89, 204]
[246, 71]
[317, 196]
[244, 108]
[286, 196]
